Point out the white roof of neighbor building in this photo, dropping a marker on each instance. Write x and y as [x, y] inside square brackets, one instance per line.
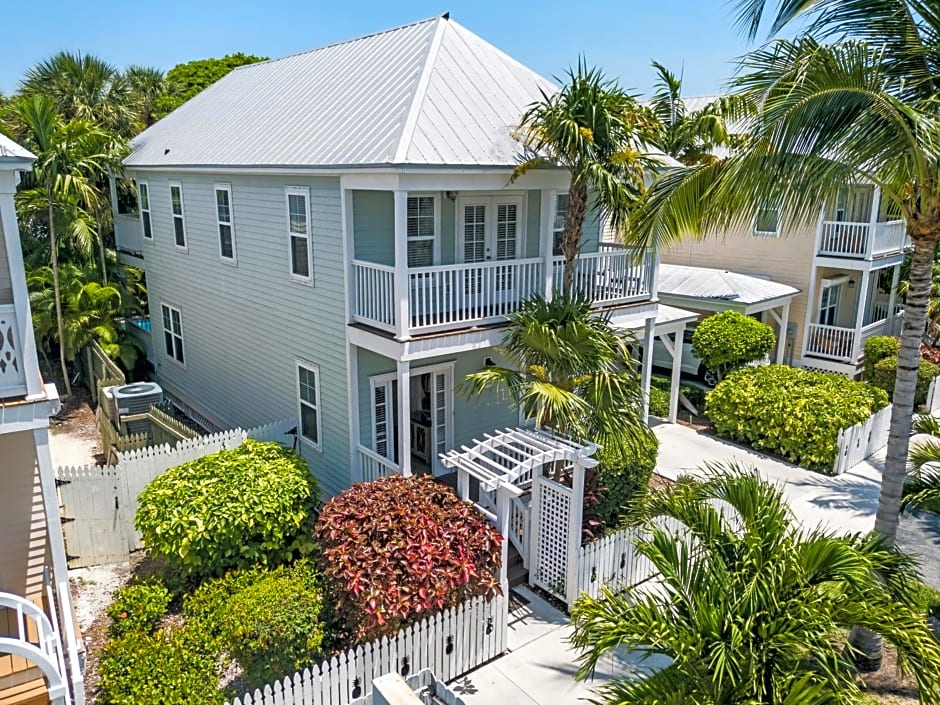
[717, 284]
[429, 93]
[11, 150]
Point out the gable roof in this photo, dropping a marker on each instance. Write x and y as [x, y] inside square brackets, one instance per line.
[430, 93]
[11, 151]
[676, 280]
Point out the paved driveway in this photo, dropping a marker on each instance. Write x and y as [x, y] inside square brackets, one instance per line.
[845, 503]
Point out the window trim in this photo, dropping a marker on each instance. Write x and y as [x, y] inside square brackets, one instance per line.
[386, 380]
[182, 337]
[436, 239]
[766, 233]
[305, 192]
[315, 369]
[182, 216]
[144, 211]
[227, 188]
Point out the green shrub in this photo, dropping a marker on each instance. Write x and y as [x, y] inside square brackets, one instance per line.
[254, 504]
[877, 348]
[160, 668]
[885, 374]
[273, 627]
[929, 598]
[138, 608]
[793, 413]
[399, 548]
[695, 395]
[204, 608]
[659, 395]
[659, 402]
[729, 340]
[620, 483]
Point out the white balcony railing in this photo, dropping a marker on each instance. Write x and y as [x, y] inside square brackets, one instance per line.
[373, 466]
[831, 342]
[127, 233]
[374, 286]
[12, 364]
[862, 240]
[608, 277]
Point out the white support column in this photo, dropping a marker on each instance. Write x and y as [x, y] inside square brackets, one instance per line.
[892, 298]
[503, 501]
[404, 417]
[782, 319]
[463, 484]
[402, 316]
[646, 372]
[112, 187]
[675, 349]
[574, 533]
[355, 433]
[873, 222]
[549, 199]
[60, 575]
[10, 231]
[863, 304]
[812, 308]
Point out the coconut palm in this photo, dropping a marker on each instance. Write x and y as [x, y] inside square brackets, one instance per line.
[690, 136]
[571, 371]
[752, 609]
[598, 132]
[70, 155]
[823, 116]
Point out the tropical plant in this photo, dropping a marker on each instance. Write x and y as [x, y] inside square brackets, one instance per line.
[138, 608]
[148, 86]
[598, 132]
[750, 608]
[922, 489]
[399, 548]
[569, 370]
[729, 340]
[186, 80]
[691, 136]
[821, 116]
[254, 504]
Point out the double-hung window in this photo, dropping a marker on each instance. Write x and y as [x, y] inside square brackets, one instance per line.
[308, 401]
[421, 221]
[173, 332]
[298, 231]
[829, 305]
[766, 222]
[558, 225]
[179, 217]
[223, 211]
[143, 204]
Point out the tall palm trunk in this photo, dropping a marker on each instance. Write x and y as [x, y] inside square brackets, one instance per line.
[53, 246]
[571, 240]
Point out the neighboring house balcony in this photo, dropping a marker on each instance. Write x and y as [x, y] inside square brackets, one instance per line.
[859, 226]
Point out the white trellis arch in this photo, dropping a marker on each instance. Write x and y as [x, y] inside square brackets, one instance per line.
[548, 469]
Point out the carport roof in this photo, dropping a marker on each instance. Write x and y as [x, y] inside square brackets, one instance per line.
[717, 285]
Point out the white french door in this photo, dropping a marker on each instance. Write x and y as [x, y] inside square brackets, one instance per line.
[489, 230]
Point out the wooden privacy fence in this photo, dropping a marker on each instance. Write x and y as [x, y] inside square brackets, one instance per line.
[99, 370]
[98, 503]
[862, 440]
[449, 644]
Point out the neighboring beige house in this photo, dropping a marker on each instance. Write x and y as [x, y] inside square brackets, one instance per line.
[39, 655]
[845, 265]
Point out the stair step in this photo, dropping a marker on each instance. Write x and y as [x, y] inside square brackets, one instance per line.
[517, 575]
[31, 693]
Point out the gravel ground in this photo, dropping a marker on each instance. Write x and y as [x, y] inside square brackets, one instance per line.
[92, 589]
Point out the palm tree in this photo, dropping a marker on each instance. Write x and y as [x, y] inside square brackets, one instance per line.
[598, 132]
[570, 371]
[752, 609]
[823, 116]
[70, 155]
[147, 86]
[689, 136]
[923, 488]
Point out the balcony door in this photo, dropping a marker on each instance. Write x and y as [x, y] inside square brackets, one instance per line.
[489, 230]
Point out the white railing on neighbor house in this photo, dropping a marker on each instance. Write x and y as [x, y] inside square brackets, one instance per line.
[933, 396]
[609, 277]
[99, 501]
[34, 637]
[127, 234]
[862, 440]
[862, 240]
[12, 364]
[483, 292]
[374, 299]
[449, 644]
[373, 466]
[831, 342]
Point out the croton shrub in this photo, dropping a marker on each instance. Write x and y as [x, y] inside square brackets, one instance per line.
[793, 413]
[729, 340]
[250, 505]
[397, 549]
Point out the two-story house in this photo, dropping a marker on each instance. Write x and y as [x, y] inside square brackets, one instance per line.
[336, 235]
[39, 651]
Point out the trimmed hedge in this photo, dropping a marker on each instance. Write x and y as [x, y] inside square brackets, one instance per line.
[729, 339]
[885, 373]
[254, 504]
[793, 413]
[877, 348]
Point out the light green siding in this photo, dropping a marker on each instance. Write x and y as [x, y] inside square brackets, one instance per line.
[374, 226]
[370, 365]
[448, 231]
[533, 220]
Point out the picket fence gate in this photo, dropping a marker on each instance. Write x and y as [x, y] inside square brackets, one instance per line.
[98, 502]
[862, 440]
[449, 644]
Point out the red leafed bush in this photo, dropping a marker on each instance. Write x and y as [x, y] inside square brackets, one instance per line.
[399, 548]
[930, 354]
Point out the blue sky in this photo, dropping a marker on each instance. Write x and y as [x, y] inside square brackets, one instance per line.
[622, 37]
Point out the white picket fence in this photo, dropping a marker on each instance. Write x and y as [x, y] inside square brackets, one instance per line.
[862, 440]
[98, 502]
[933, 397]
[449, 644]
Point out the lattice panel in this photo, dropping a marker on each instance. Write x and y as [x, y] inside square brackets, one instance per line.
[10, 370]
[554, 512]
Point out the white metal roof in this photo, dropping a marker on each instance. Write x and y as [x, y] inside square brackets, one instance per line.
[430, 93]
[11, 150]
[717, 284]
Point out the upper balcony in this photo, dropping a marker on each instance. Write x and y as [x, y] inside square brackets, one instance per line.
[859, 226]
[471, 260]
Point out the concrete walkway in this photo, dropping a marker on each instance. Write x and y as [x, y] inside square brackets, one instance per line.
[540, 666]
